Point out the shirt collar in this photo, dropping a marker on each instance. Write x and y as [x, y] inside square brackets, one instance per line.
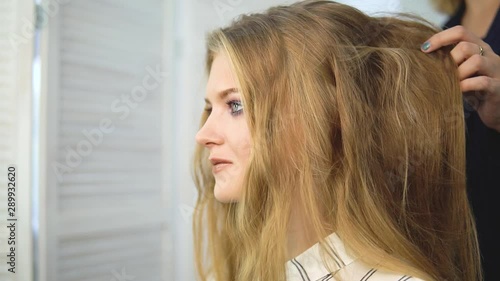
[308, 265]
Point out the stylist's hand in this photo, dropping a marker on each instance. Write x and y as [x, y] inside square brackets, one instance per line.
[479, 74]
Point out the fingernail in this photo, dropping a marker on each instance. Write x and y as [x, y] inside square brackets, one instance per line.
[426, 46]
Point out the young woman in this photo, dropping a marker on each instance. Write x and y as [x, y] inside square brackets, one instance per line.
[331, 148]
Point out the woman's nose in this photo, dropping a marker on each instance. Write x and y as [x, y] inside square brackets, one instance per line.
[208, 134]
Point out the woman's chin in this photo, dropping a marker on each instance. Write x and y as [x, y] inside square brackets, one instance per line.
[224, 194]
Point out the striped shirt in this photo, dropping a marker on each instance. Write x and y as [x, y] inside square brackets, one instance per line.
[308, 267]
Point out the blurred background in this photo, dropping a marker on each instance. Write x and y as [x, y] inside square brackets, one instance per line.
[99, 105]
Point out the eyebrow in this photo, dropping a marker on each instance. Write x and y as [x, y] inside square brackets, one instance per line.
[223, 94]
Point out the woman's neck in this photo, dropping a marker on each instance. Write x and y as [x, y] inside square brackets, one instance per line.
[479, 15]
[299, 234]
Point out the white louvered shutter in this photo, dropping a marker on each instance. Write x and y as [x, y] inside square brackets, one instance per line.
[105, 217]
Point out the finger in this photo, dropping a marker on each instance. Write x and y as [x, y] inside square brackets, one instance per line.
[463, 51]
[474, 66]
[477, 84]
[450, 36]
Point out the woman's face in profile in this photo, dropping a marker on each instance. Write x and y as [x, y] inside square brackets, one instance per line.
[225, 133]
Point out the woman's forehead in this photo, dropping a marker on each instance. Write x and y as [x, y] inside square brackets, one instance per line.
[221, 80]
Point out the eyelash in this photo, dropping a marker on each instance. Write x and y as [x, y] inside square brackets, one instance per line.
[238, 104]
[231, 105]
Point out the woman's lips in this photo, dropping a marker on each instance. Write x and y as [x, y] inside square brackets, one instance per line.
[218, 164]
[219, 167]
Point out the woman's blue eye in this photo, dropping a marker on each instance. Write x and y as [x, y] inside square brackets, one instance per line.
[236, 107]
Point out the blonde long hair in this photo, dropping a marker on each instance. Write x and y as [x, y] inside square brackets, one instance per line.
[353, 122]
